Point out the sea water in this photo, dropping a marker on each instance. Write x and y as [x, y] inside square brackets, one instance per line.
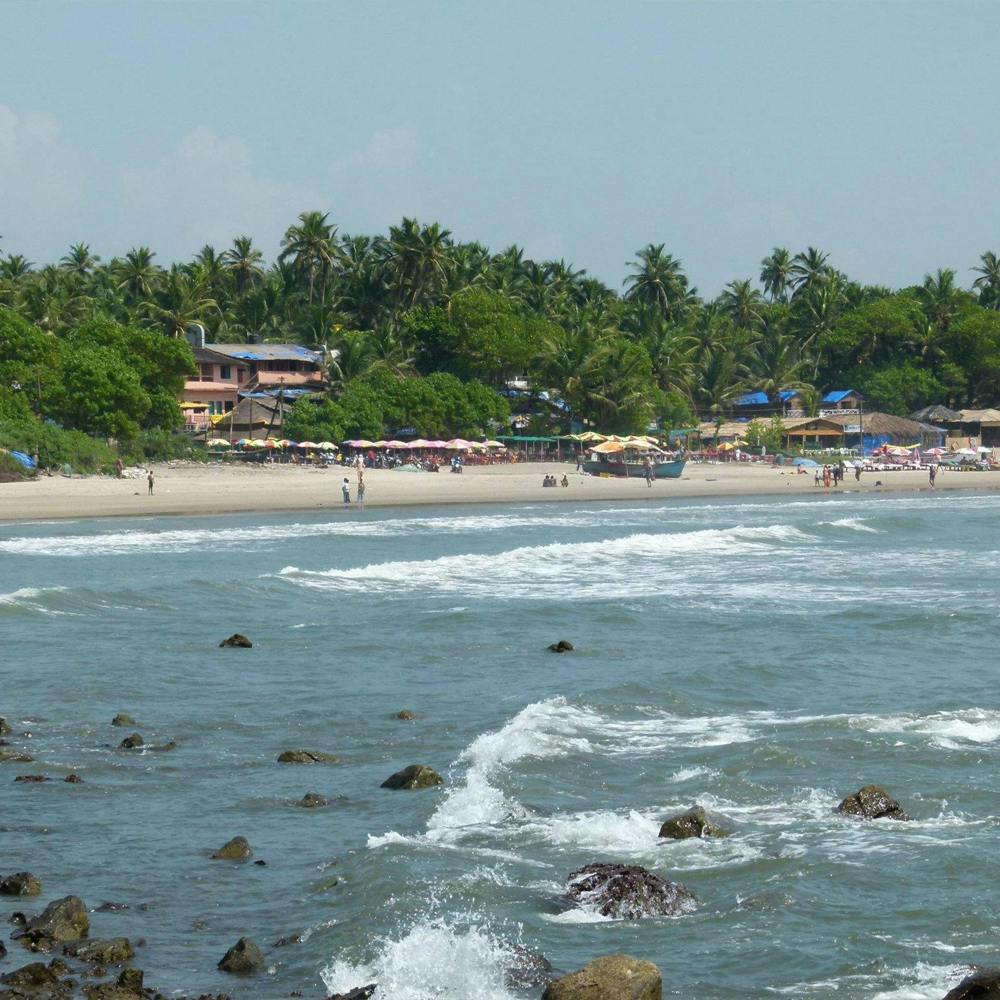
[759, 657]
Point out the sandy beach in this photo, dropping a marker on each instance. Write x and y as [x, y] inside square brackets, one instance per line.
[220, 489]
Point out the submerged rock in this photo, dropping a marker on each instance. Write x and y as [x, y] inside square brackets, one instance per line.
[528, 969]
[237, 641]
[307, 757]
[32, 978]
[358, 993]
[20, 884]
[237, 849]
[14, 756]
[872, 802]
[627, 892]
[414, 776]
[613, 977]
[243, 959]
[983, 984]
[5, 729]
[133, 742]
[693, 823]
[62, 921]
[32, 779]
[405, 715]
[562, 646]
[112, 951]
[108, 907]
[73, 779]
[128, 986]
[123, 719]
[313, 801]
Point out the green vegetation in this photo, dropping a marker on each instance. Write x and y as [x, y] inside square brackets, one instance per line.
[424, 329]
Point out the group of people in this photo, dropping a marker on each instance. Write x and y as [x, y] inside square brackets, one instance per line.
[828, 475]
[552, 481]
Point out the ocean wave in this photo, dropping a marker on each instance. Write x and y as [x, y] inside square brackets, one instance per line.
[853, 524]
[37, 600]
[435, 958]
[614, 567]
[949, 730]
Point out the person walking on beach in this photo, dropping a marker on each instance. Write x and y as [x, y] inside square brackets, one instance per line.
[932, 474]
[345, 488]
[119, 467]
[647, 468]
[149, 480]
[579, 461]
[826, 477]
[361, 486]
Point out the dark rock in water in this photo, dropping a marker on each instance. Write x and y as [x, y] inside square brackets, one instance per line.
[163, 747]
[693, 823]
[983, 984]
[359, 993]
[406, 715]
[872, 802]
[3, 950]
[20, 884]
[414, 776]
[237, 641]
[32, 978]
[62, 921]
[627, 892]
[73, 779]
[18, 919]
[243, 959]
[113, 951]
[562, 646]
[128, 986]
[133, 742]
[14, 756]
[32, 779]
[5, 729]
[613, 977]
[528, 969]
[107, 907]
[284, 942]
[307, 757]
[237, 849]
[313, 801]
[261, 863]
[121, 719]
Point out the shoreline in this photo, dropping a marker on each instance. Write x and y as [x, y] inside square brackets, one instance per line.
[209, 490]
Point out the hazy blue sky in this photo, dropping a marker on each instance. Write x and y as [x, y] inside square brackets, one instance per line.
[579, 130]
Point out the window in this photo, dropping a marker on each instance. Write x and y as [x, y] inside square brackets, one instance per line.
[241, 374]
[225, 372]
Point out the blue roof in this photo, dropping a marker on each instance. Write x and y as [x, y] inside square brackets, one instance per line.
[761, 398]
[266, 352]
[836, 395]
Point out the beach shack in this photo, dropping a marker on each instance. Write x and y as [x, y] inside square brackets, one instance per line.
[840, 401]
[975, 429]
[759, 404]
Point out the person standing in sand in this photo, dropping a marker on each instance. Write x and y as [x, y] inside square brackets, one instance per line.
[345, 488]
[647, 469]
[932, 474]
[149, 481]
[361, 485]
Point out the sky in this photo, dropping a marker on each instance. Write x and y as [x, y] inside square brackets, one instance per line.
[578, 130]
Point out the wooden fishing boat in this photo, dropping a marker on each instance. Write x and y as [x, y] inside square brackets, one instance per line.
[604, 465]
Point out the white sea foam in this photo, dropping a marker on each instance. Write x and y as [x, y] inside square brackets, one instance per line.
[433, 959]
[690, 773]
[949, 730]
[33, 599]
[924, 982]
[614, 567]
[853, 524]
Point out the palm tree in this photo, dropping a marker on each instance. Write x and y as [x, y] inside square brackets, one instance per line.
[940, 297]
[311, 247]
[418, 259]
[244, 262]
[351, 356]
[721, 378]
[15, 267]
[777, 363]
[809, 269]
[659, 279]
[79, 260]
[742, 302]
[988, 281]
[137, 274]
[776, 274]
[181, 302]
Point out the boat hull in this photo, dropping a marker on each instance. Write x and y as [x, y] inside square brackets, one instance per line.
[635, 470]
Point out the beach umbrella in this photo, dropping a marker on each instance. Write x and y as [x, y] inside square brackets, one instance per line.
[217, 443]
[272, 443]
[287, 443]
[361, 443]
[431, 444]
[380, 444]
[419, 443]
[307, 444]
[327, 446]
[495, 444]
[457, 444]
[396, 444]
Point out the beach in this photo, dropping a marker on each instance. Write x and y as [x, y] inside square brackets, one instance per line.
[194, 489]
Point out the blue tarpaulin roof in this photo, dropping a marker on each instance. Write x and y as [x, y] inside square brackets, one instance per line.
[761, 399]
[276, 394]
[266, 352]
[836, 395]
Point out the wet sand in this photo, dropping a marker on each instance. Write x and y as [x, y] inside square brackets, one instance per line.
[223, 488]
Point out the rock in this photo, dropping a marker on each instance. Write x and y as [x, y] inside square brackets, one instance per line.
[528, 969]
[261, 863]
[133, 742]
[164, 747]
[63, 920]
[5, 729]
[73, 779]
[562, 646]
[3, 950]
[359, 993]
[414, 776]
[20, 884]
[872, 802]
[983, 984]
[313, 801]
[237, 849]
[32, 779]
[237, 641]
[107, 907]
[14, 756]
[128, 986]
[18, 919]
[613, 977]
[627, 892]
[406, 715]
[284, 942]
[243, 959]
[121, 719]
[112, 951]
[307, 757]
[32, 977]
[693, 823]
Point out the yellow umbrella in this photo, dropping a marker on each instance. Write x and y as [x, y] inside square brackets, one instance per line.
[217, 443]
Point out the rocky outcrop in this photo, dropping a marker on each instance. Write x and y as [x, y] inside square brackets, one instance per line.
[123, 719]
[14, 756]
[359, 993]
[237, 849]
[5, 729]
[405, 715]
[311, 800]
[307, 757]
[243, 959]
[983, 984]
[872, 802]
[527, 969]
[128, 986]
[73, 779]
[414, 776]
[62, 921]
[32, 779]
[133, 742]
[614, 977]
[627, 892]
[112, 951]
[20, 884]
[693, 823]
[236, 641]
[34, 978]
[562, 646]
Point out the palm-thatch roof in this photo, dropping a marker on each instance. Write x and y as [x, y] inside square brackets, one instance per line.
[936, 414]
[886, 424]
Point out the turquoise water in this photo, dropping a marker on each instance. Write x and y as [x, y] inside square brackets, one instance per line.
[763, 658]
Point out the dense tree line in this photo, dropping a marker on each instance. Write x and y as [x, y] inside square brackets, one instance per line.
[415, 305]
